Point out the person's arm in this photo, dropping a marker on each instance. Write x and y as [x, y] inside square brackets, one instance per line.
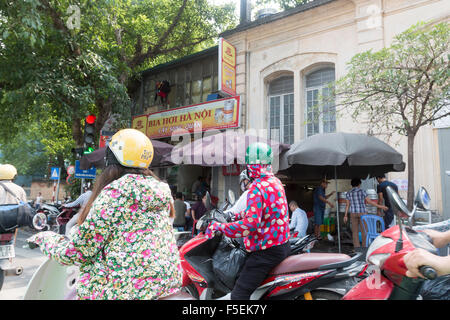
[90, 236]
[380, 200]
[440, 239]
[330, 194]
[375, 204]
[347, 206]
[420, 257]
[324, 199]
[241, 228]
[77, 202]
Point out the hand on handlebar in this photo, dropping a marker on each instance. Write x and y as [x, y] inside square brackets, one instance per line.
[211, 230]
[417, 259]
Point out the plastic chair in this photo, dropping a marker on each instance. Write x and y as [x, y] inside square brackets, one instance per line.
[369, 223]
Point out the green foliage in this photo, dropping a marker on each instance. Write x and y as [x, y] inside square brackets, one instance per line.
[61, 60]
[402, 87]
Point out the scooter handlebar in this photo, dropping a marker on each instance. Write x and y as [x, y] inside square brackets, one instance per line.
[428, 272]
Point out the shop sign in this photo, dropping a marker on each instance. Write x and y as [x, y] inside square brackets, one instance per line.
[217, 114]
[233, 169]
[227, 67]
[402, 184]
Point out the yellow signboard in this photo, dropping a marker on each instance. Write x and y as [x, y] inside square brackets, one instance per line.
[217, 114]
[227, 67]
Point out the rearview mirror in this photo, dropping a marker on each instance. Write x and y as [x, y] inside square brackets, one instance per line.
[40, 221]
[231, 197]
[398, 206]
[422, 199]
[208, 201]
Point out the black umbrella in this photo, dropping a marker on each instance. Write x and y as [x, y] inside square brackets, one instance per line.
[342, 156]
[161, 157]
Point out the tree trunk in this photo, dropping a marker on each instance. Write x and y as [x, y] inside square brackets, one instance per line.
[77, 133]
[410, 197]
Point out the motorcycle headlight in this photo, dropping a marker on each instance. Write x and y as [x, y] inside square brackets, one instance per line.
[378, 259]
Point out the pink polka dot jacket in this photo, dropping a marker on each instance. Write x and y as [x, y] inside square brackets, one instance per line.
[265, 222]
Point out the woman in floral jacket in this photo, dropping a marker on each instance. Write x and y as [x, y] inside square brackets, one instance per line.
[124, 244]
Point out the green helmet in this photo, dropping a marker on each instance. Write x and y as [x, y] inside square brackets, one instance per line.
[259, 153]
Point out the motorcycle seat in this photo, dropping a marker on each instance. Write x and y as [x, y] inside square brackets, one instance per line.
[308, 261]
[180, 295]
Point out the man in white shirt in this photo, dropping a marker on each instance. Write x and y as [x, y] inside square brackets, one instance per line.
[80, 201]
[241, 204]
[299, 219]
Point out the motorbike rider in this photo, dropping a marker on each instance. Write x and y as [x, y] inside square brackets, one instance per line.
[241, 204]
[124, 242]
[80, 201]
[7, 174]
[264, 224]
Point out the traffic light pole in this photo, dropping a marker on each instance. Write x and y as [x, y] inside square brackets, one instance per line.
[57, 187]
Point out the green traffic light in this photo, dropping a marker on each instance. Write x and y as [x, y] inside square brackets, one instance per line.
[88, 150]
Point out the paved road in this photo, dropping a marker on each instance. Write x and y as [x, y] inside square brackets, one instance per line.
[14, 287]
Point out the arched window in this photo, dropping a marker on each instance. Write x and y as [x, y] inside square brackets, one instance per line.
[320, 116]
[281, 109]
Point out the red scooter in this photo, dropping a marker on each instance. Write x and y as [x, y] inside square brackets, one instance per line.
[385, 255]
[300, 276]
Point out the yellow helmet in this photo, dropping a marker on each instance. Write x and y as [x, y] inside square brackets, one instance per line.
[132, 148]
[7, 172]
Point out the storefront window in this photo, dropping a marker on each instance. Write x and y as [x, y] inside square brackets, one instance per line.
[196, 91]
[320, 109]
[281, 109]
[190, 84]
[206, 88]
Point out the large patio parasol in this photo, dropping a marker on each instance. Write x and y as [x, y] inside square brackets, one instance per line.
[340, 156]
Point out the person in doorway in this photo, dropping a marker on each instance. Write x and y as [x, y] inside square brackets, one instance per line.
[198, 210]
[196, 186]
[356, 204]
[179, 222]
[81, 202]
[124, 243]
[38, 202]
[383, 183]
[299, 220]
[320, 200]
[7, 174]
[264, 226]
[240, 205]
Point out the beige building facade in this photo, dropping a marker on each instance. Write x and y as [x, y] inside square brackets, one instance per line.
[284, 61]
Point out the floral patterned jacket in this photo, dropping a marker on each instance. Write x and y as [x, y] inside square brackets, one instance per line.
[125, 248]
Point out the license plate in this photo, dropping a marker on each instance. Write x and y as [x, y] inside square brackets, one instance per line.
[7, 251]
